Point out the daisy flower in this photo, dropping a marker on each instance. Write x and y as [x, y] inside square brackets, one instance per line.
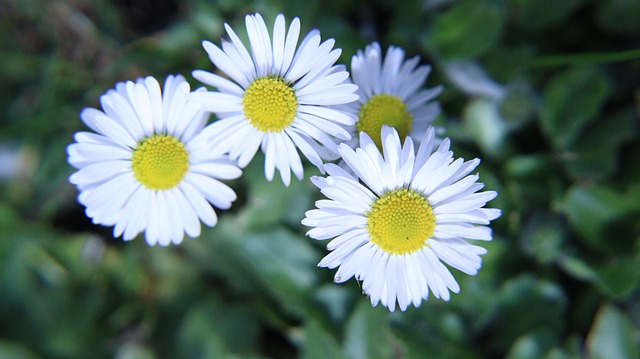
[276, 97]
[391, 94]
[149, 167]
[402, 216]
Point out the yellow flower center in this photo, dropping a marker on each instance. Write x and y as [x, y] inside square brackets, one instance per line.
[401, 221]
[270, 104]
[160, 162]
[384, 110]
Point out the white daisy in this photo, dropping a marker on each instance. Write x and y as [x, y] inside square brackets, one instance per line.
[277, 96]
[407, 215]
[391, 94]
[149, 167]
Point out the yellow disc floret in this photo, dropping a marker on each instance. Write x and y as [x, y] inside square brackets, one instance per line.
[270, 104]
[381, 110]
[160, 162]
[401, 221]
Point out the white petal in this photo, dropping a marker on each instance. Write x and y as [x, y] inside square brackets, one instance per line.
[330, 114]
[226, 64]
[200, 205]
[152, 232]
[100, 171]
[142, 106]
[165, 221]
[219, 82]
[475, 201]
[282, 158]
[219, 194]
[260, 44]
[352, 264]
[306, 149]
[278, 43]
[189, 216]
[216, 170]
[217, 102]
[176, 215]
[290, 46]
[155, 100]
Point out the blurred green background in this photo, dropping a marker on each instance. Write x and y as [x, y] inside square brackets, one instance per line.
[545, 92]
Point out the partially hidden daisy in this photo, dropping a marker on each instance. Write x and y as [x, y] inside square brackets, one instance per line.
[402, 216]
[391, 93]
[148, 166]
[277, 97]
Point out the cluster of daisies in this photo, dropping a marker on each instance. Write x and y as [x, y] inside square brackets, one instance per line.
[398, 205]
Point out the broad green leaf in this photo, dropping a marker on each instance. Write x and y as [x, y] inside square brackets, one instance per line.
[525, 305]
[508, 64]
[620, 276]
[275, 261]
[435, 328]
[543, 238]
[519, 105]
[134, 351]
[270, 203]
[573, 98]
[335, 299]
[468, 29]
[594, 154]
[612, 335]
[526, 168]
[15, 350]
[619, 15]
[8, 218]
[533, 345]
[319, 343]
[195, 339]
[578, 268]
[483, 122]
[211, 329]
[536, 15]
[600, 215]
[367, 332]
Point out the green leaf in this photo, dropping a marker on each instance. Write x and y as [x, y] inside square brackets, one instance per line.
[134, 351]
[572, 98]
[527, 168]
[525, 305]
[536, 15]
[275, 261]
[533, 345]
[578, 268]
[612, 336]
[619, 15]
[318, 343]
[436, 328]
[601, 216]
[367, 332]
[13, 350]
[270, 203]
[519, 105]
[594, 155]
[211, 329]
[617, 278]
[468, 29]
[620, 276]
[543, 238]
[483, 122]
[334, 299]
[8, 220]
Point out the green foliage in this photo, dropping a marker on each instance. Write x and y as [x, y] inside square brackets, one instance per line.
[468, 29]
[572, 100]
[561, 278]
[611, 336]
